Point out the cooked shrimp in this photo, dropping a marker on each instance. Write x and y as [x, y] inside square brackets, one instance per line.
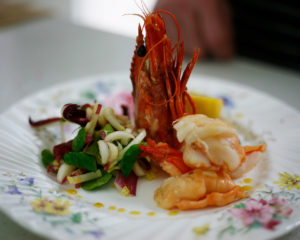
[253, 156]
[213, 144]
[169, 159]
[198, 189]
[202, 172]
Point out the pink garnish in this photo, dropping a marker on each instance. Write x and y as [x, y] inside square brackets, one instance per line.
[121, 102]
[131, 182]
[43, 122]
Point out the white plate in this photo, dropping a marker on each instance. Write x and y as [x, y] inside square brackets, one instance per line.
[33, 199]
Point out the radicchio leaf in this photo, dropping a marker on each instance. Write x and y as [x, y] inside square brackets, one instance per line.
[60, 150]
[43, 122]
[130, 182]
[75, 113]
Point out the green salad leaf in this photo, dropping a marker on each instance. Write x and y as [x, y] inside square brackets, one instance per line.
[78, 141]
[96, 136]
[81, 160]
[108, 129]
[95, 183]
[47, 157]
[129, 158]
[93, 150]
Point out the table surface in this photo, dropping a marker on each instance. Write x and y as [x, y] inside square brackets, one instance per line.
[40, 54]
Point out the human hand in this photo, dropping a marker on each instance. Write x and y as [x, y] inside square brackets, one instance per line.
[204, 24]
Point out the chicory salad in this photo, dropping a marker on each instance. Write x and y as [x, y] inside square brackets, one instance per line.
[105, 148]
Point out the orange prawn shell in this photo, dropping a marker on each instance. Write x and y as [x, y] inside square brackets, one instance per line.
[158, 87]
[198, 189]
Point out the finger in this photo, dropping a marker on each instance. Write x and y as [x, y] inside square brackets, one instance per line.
[183, 12]
[228, 21]
[214, 22]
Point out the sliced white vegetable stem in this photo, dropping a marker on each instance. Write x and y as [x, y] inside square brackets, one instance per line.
[138, 170]
[90, 127]
[84, 177]
[126, 141]
[63, 171]
[118, 135]
[113, 152]
[111, 118]
[137, 140]
[101, 119]
[120, 147]
[104, 152]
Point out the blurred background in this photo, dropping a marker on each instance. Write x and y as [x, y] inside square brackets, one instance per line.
[264, 30]
[100, 14]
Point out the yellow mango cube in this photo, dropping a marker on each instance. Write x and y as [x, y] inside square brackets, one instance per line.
[208, 106]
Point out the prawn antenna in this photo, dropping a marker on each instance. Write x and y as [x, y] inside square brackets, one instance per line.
[174, 20]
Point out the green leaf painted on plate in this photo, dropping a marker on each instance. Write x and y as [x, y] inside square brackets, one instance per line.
[76, 218]
[240, 205]
[89, 95]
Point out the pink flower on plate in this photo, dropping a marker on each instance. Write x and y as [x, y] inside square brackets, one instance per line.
[119, 100]
[271, 224]
[279, 204]
[254, 211]
[265, 213]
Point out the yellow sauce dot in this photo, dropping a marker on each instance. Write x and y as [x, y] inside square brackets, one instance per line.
[247, 188]
[151, 214]
[173, 213]
[79, 196]
[248, 180]
[135, 212]
[121, 210]
[112, 208]
[98, 205]
[71, 191]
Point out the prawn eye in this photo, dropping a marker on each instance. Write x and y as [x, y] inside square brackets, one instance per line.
[141, 52]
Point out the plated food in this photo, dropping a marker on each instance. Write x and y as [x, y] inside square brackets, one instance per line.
[201, 154]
